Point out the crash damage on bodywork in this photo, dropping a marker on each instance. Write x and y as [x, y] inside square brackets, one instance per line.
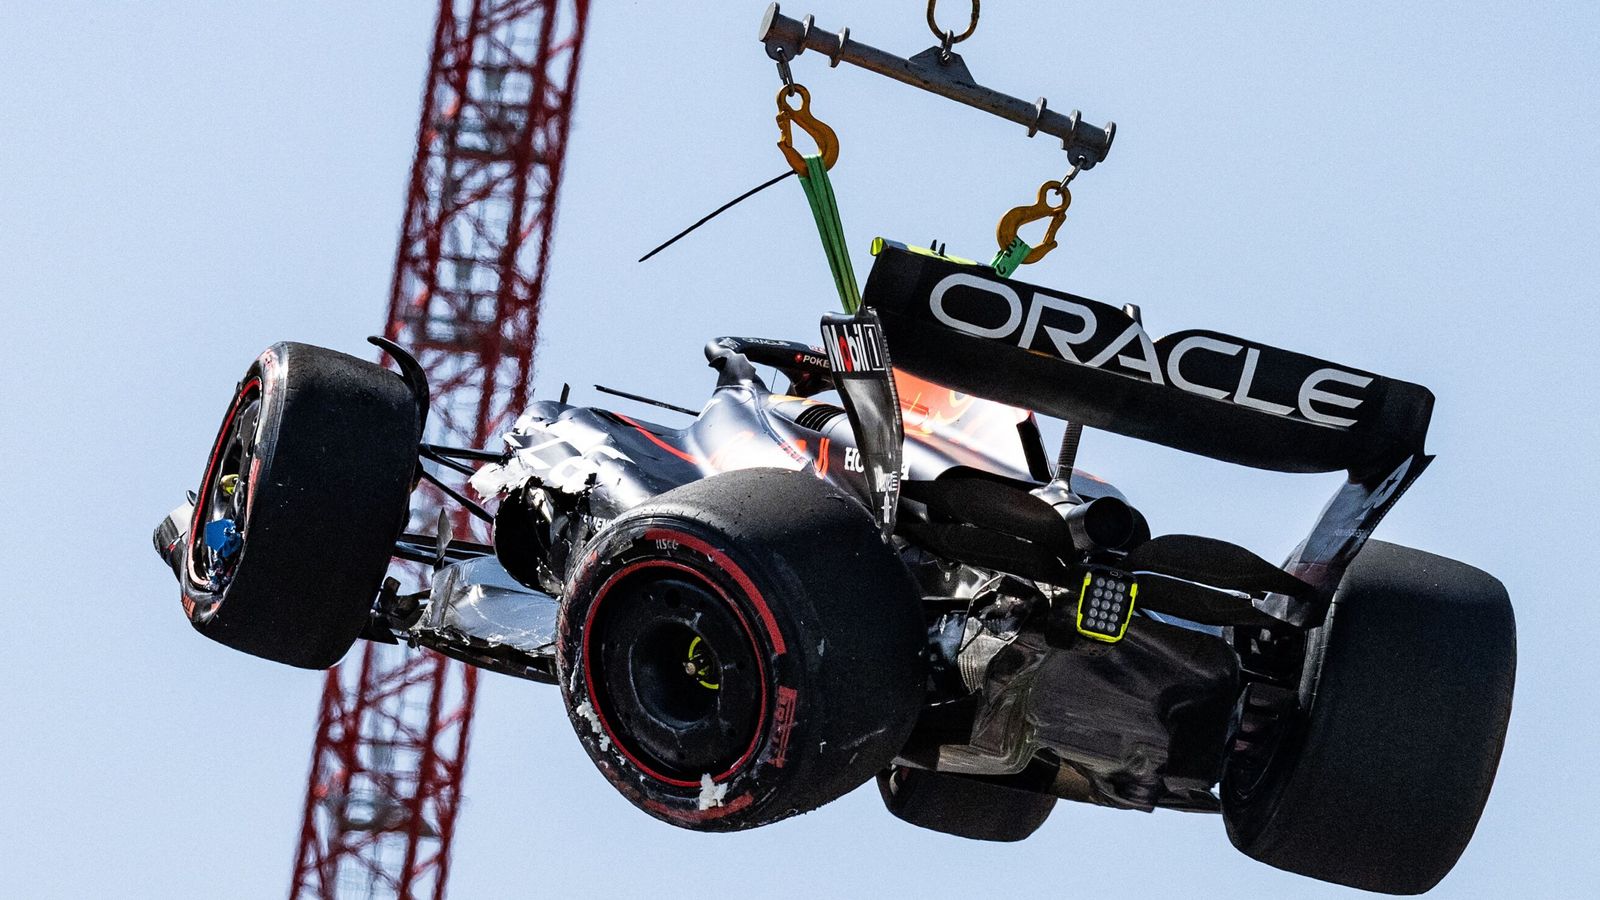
[1060, 633]
[1141, 721]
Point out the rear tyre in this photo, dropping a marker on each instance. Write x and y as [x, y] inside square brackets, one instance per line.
[968, 806]
[741, 649]
[1380, 783]
[302, 498]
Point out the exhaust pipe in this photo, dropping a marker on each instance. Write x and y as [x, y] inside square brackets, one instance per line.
[1104, 523]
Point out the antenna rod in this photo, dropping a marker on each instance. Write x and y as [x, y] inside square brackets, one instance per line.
[661, 403]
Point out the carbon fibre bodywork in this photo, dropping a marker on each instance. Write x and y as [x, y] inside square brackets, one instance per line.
[1025, 670]
[1141, 717]
[1141, 727]
[753, 614]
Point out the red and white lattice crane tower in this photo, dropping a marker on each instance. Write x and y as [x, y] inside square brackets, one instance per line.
[391, 743]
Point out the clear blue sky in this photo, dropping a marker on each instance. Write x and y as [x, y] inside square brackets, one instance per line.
[1406, 188]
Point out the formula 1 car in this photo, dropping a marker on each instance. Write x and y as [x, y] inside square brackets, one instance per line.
[755, 614]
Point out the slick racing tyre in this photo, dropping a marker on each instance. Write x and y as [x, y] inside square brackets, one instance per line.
[969, 806]
[302, 498]
[741, 649]
[1380, 782]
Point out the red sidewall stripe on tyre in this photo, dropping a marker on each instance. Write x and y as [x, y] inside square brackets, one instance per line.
[725, 564]
[211, 464]
[588, 657]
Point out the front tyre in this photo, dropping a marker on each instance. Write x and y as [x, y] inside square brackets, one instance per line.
[304, 493]
[1380, 783]
[741, 649]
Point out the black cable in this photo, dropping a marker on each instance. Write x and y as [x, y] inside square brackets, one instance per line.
[717, 212]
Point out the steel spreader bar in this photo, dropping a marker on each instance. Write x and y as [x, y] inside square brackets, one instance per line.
[942, 72]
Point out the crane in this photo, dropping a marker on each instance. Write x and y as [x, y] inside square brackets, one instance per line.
[394, 723]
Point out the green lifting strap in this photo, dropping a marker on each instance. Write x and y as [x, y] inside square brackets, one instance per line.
[825, 209]
[1007, 260]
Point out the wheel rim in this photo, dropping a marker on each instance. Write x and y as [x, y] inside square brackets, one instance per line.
[222, 505]
[675, 676]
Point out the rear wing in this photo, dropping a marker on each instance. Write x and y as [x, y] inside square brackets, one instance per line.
[959, 324]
